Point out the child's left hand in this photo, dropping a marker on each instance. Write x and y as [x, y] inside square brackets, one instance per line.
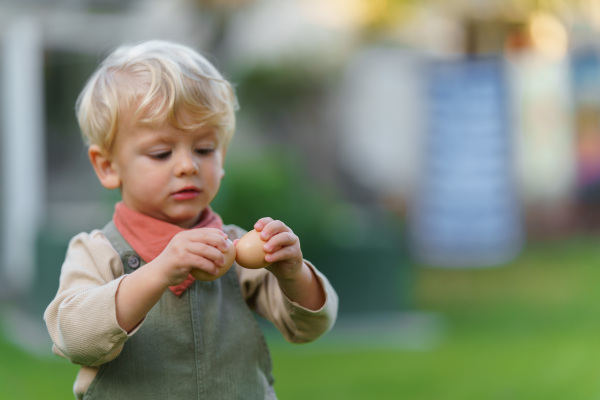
[296, 279]
[282, 248]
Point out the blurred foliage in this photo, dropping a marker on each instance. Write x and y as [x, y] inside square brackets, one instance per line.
[257, 186]
[65, 74]
[342, 239]
[276, 89]
[278, 186]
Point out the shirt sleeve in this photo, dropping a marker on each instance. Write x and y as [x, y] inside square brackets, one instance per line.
[297, 324]
[81, 319]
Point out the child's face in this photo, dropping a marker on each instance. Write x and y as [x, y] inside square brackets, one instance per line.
[167, 173]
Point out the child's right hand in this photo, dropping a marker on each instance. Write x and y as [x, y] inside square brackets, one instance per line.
[201, 249]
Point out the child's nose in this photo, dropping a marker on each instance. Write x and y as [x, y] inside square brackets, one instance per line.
[186, 165]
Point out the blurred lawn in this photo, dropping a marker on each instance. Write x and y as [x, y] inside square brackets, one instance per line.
[526, 331]
[24, 376]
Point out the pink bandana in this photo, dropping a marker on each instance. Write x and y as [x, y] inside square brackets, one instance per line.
[149, 236]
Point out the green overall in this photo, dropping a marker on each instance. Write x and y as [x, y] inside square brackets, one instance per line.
[204, 344]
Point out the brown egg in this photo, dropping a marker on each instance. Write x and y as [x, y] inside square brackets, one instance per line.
[250, 253]
[229, 258]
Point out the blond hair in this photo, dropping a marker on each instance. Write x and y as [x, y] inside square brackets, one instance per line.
[161, 79]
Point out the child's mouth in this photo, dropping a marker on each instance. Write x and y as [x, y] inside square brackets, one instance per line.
[186, 194]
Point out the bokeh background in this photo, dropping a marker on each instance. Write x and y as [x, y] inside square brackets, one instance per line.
[440, 161]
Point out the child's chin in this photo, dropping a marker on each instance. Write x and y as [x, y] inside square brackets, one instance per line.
[186, 220]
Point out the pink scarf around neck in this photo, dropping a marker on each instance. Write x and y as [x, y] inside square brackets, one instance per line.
[149, 236]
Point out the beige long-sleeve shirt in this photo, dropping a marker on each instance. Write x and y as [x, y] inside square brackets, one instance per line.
[82, 318]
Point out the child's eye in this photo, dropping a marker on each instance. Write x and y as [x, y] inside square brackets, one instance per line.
[205, 151]
[161, 155]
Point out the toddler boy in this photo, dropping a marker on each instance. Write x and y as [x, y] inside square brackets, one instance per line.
[157, 118]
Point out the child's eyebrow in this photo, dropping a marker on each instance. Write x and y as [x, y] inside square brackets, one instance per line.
[151, 137]
[167, 137]
[206, 134]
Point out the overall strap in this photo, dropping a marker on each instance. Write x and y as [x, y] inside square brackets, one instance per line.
[131, 260]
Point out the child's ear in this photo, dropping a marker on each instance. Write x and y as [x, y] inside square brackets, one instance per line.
[104, 168]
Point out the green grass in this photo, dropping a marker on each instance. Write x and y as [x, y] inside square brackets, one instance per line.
[27, 377]
[525, 331]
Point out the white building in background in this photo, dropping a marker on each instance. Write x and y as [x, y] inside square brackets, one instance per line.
[381, 119]
[22, 149]
[544, 129]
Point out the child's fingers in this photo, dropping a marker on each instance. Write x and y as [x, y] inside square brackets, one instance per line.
[192, 248]
[206, 251]
[210, 236]
[261, 223]
[286, 253]
[281, 239]
[273, 228]
[205, 265]
[201, 233]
